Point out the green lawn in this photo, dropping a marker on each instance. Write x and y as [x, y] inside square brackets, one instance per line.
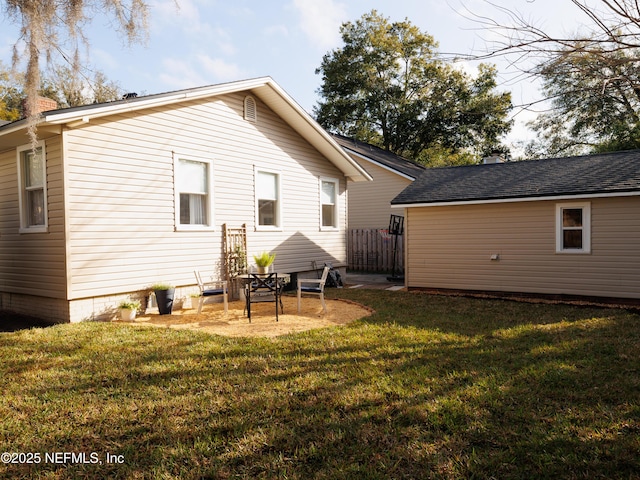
[428, 387]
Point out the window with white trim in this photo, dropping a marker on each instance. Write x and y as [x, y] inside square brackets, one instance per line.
[328, 203]
[194, 197]
[32, 177]
[267, 199]
[573, 227]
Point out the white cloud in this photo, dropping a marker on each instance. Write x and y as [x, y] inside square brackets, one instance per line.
[320, 20]
[198, 70]
[180, 74]
[105, 59]
[276, 30]
[466, 67]
[185, 16]
[170, 11]
[224, 41]
[219, 69]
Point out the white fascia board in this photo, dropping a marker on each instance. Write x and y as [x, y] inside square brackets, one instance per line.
[16, 127]
[518, 200]
[154, 101]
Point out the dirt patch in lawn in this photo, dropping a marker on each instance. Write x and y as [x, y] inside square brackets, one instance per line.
[263, 319]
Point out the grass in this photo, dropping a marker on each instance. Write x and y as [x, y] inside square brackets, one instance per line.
[427, 387]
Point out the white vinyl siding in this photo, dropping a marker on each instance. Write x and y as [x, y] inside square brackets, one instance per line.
[452, 247]
[370, 202]
[121, 202]
[32, 264]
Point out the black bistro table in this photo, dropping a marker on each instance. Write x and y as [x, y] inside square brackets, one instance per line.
[264, 287]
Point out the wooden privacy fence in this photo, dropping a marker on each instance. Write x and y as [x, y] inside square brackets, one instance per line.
[371, 250]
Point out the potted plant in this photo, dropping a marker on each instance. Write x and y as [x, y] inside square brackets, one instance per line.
[129, 309]
[164, 297]
[195, 299]
[263, 261]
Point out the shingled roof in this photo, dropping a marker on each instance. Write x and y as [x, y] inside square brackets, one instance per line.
[380, 156]
[601, 174]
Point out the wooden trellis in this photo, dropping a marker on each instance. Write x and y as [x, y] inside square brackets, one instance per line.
[235, 256]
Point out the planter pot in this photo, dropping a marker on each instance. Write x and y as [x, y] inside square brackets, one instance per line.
[262, 270]
[164, 299]
[194, 302]
[128, 314]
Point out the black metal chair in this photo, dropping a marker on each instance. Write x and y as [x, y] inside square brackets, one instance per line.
[263, 288]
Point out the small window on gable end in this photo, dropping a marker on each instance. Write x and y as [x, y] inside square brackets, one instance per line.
[250, 109]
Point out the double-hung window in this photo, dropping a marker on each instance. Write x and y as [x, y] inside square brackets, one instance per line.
[328, 203]
[573, 227]
[32, 177]
[193, 193]
[268, 202]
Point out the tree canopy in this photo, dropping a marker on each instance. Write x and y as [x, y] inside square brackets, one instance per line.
[595, 102]
[59, 84]
[387, 87]
[590, 77]
[55, 28]
[71, 90]
[11, 96]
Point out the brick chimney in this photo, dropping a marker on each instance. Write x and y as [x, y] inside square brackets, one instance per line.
[43, 104]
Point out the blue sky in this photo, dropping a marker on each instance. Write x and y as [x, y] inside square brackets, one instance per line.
[203, 42]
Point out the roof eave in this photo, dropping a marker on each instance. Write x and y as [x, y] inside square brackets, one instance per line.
[559, 197]
[380, 164]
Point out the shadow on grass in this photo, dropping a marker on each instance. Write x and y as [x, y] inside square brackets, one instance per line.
[11, 322]
[461, 315]
[426, 388]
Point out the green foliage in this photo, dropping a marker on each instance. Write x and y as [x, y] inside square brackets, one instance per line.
[438, 156]
[72, 90]
[264, 259]
[427, 387]
[62, 85]
[385, 86]
[161, 286]
[595, 102]
[130, 304]
[10, 96]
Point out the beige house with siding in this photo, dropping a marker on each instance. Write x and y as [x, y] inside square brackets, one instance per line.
[566, 226]
[121, 195]
[370, 247]
[370, 202]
